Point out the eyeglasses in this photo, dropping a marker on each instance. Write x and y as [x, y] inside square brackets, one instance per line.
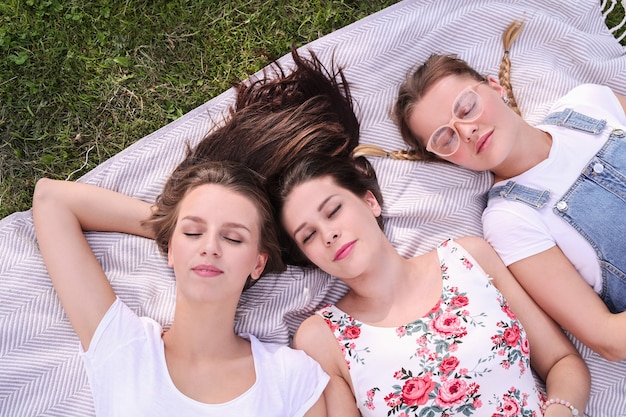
[467, 107]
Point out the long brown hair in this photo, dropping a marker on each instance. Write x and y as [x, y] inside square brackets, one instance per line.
[232, 176]
[284, 116]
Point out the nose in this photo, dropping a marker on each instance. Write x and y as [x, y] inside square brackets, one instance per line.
[210, 246]
[330, 237]
[465, 130]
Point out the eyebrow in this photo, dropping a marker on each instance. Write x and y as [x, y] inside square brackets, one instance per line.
[229, 225]
[319, 208]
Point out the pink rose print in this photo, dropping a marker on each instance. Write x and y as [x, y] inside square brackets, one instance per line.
[451, 392]
[415, 390]
[447, 324]
[459, 301]
[401, 331]
[369, 403]
[393, 400]
[351, 332]
[510, 404]
[509, 312]
[448, 365]
[435, 308]
[525, 346]
[512, 335]
[467, 264]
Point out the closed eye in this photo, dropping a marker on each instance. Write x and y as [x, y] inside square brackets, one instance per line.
[308, 237]
[232, 240]
[334, 211]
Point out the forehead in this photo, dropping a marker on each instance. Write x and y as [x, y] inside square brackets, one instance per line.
[217, 202]
[448, 88]
[310, 193]
[435, 107]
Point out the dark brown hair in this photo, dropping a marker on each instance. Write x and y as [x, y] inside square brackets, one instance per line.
[232, 176]
[282, 117]
[353, 174]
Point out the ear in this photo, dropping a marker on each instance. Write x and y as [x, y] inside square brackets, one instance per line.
[261, 260]
[373, 204]
[495, 85]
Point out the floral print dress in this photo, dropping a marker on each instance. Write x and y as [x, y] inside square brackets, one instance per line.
[469, 356]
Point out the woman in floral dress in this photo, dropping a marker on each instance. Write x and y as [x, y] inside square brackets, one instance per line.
[428, 336]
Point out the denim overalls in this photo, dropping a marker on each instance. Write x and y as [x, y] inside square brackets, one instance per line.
[595, 205]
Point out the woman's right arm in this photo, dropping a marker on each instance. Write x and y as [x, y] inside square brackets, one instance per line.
[61, 211]
[315, 338]
[553, 282]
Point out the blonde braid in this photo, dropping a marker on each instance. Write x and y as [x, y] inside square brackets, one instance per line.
[374, 150]
[508, 37]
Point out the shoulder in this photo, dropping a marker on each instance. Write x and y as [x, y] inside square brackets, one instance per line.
[479, 249]
[282, 356]
[310, 331]
[586, 92]
[315, 337]
[590, 99]
[296, 370]
[470, 244]
[119, 327]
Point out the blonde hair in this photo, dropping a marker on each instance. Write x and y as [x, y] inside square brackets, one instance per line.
[504, 75]
[415, 86]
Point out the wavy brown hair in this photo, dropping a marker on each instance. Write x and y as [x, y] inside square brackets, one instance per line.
[284, 116]
[232, 176]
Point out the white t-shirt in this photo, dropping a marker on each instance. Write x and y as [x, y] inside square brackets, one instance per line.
[128, 375]
[517, 231]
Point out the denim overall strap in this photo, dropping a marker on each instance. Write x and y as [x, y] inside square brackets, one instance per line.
[594, 205]
[516, 192]
[573, 120]
[538, 198]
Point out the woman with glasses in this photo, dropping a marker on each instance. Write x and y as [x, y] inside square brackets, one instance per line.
[556, 210]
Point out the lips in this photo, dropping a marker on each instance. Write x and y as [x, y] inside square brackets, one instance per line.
[207, 271]
[483, 142]
[344, 251]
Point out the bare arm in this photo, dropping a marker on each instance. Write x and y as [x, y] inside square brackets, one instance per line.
[315, 338]
[318, 409]
[553, 282]
[553, 356]
[61, 211]
[622, 101]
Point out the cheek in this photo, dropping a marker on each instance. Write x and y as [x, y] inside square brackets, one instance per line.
[417, 126]
[170, 256]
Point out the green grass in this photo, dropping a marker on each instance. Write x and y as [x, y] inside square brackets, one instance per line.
[82, 80]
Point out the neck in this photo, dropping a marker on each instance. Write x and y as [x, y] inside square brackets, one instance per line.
[382, 284]
[202, 330]
[532, 147]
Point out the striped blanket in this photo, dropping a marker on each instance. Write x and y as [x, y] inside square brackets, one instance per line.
[563, 44]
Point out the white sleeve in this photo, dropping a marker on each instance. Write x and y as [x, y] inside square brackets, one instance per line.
[593, 100]
[309, 381]
[297, 381]
[515, 232]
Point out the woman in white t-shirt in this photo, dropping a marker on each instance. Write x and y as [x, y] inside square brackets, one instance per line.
[555, 213]
[215, 224]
